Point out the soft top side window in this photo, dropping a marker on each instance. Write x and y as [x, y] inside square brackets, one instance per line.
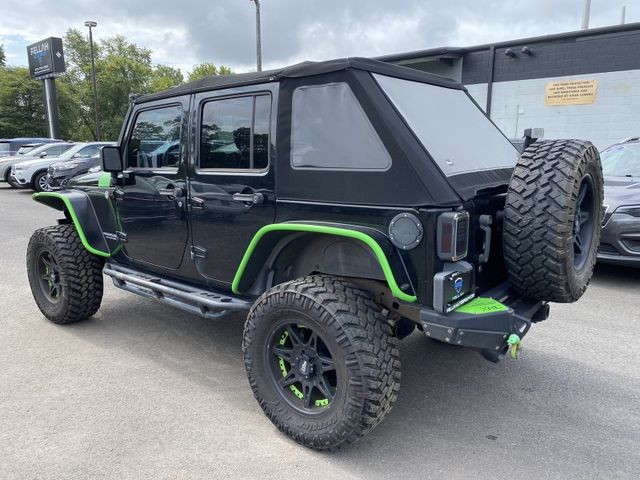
[331, 131]
[155, 138]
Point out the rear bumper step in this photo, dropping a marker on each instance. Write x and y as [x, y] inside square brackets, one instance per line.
[207, 303]
[488, 332]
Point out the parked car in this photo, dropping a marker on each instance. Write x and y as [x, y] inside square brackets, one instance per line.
[48, 150]
[33, 173]
[10, 146]
[61, 172]
[27, 148]
[338, 206]
[620, 243]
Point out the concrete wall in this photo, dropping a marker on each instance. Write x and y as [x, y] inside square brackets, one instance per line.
[613, 116]
[479, 93]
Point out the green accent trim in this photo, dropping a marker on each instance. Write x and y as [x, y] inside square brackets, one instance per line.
[283, 367]
[74, 218]
[342, 232]
[515, 343]
[482, 305]
[104, 180]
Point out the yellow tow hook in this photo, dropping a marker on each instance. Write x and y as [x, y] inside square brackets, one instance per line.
[515, 344]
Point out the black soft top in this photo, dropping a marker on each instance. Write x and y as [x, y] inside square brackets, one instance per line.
[304, 69]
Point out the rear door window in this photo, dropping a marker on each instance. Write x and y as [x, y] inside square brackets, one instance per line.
[331, 131]
[234, 133]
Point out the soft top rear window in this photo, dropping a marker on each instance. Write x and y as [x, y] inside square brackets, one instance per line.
[450, 126]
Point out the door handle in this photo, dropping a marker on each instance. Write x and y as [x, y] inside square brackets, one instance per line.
[197, 203]
[255, 198]
[170, 192]
[117, 194]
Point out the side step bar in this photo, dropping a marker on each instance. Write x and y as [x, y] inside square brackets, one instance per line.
[207, 303]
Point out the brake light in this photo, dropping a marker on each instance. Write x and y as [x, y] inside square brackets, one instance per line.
[453, 235]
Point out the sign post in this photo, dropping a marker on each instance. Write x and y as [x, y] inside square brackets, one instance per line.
[46, 61]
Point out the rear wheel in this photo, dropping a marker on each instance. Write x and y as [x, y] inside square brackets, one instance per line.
[321, 360]
[552, 220]
[65, 279]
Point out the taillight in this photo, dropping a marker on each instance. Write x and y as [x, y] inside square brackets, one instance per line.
[453, 235]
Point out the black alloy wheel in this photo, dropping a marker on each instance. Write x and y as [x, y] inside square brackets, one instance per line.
[302, 367]
[48, 273]
[583, 222]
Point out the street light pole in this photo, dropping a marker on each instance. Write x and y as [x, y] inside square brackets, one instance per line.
[585, 14]
[91, 24]
[258, 36]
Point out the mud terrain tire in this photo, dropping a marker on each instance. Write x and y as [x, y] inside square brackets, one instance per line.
[65, 279]
[358, 338]
[552, 220]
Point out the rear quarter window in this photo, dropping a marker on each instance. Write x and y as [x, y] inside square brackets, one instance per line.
[331, 131]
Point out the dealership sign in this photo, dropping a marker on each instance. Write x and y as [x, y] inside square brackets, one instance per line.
[572, 92]
[46, 57]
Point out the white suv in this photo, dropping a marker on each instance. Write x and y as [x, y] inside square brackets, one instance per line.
[33, 173]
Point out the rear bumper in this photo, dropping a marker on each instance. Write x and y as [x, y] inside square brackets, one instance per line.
[488, 330]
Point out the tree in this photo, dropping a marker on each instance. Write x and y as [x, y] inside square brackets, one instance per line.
[207, 69]
[3, 57]
[121, 68]
[21, 104]
[164, 77]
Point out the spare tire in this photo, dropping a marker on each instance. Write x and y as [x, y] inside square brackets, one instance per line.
[552, 220]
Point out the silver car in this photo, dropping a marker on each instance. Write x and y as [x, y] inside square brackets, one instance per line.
[48, 150]
[33, 173]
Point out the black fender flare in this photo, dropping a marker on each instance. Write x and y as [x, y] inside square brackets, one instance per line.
[79, 210]
[379, 245]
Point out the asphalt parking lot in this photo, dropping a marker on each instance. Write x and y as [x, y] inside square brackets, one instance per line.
[145, 391]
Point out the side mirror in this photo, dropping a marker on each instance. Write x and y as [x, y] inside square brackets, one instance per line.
[43, 154]
[111, 159]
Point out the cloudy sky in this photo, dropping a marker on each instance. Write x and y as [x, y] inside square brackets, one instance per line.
[184, 32]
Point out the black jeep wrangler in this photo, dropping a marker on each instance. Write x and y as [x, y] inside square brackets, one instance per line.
[342, 204]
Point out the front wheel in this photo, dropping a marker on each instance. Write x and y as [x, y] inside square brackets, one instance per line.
[41, 183]
[10, 180]
[65, 279]
[321, 360]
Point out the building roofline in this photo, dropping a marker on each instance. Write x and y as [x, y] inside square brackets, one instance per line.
[459, 51]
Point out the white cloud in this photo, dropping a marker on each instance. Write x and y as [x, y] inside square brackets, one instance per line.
[186, 32]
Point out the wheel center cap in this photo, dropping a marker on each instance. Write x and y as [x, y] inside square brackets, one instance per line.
[305, 366]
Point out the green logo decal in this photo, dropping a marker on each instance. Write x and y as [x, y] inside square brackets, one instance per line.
[480, 306]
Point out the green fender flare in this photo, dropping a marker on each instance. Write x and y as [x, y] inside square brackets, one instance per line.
[321, 229]
[42, 197]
